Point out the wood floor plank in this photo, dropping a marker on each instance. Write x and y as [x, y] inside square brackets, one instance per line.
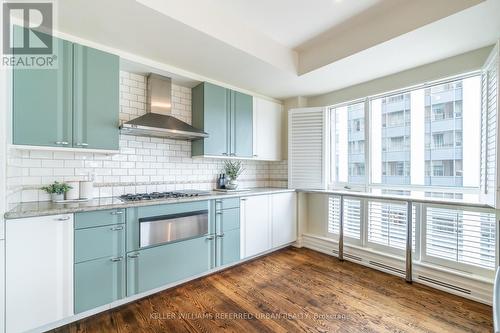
[294, 290]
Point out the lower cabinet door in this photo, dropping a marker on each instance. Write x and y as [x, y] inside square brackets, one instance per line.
[228, 247]
[99, 282]
[155, 267]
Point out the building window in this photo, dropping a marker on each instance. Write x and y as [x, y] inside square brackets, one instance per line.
[348, 140]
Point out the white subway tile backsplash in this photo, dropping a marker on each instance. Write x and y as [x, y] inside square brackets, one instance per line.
[151, 164]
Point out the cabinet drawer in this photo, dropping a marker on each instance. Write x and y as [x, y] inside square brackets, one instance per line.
[227, 203]
[99, 218]
[228, 219]
[157, 266]
[99, 282]
[94, 243]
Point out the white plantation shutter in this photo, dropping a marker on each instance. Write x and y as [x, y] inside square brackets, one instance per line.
[387, 224]
[460, 236]
[307, 148]
[489, 127]
[352, 217]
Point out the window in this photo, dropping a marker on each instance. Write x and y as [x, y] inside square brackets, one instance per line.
[416, 138]
[348, 130]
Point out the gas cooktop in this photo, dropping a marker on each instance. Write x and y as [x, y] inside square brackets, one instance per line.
[162, 195]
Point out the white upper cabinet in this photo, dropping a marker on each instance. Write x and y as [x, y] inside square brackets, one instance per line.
[267, 130]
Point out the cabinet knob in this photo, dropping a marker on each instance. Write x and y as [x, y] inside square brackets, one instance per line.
[218, 213]
[243, 199]
[255, 155]
[220, 235]
[116, 259]
[210, 238]
[62, 143]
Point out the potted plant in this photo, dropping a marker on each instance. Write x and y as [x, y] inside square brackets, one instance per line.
[57, 190]
[233, 170]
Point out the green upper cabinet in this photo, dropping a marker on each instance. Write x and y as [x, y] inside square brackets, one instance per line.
[242, 125]
[211, 113]
[95, 99]
[227, 116]
[42, 101]
[74, 105]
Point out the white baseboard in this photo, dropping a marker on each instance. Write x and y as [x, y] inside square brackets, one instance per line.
[457, 283]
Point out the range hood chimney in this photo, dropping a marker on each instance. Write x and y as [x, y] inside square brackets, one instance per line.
[158, 122]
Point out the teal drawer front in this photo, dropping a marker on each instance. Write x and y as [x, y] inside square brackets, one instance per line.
[136, 213]
[154, 267]
[227, 219]
[99, 282]
[228, 247]
[227, 203]
[94, 243]
[99, 218]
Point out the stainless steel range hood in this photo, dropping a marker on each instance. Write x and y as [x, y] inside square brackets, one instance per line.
[158, 122]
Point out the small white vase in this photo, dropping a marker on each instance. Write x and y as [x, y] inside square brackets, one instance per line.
[74, 192]
[56, 197]
[232, 184]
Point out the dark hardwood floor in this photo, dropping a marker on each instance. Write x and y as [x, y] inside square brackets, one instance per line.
[295, 290]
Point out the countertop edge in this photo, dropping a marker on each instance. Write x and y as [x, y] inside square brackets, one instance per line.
[13, 214]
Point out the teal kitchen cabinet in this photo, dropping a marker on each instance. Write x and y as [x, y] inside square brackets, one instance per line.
[43, 100]
[242, 125]
[99, 256]
[211, 113]
[227, 116]
[95, 99]
[157, 266]
[99, 282]
[228, 247]
[227, 232]
[74, 105]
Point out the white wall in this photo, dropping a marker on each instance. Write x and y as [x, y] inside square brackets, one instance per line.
[143, 164]
[460, 64]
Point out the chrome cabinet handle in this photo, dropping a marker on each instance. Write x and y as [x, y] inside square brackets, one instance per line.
[243, 199]
[65, 218]
[119, 212]
[218, 213]
[133, 256]
[63, 143]
[82, 144]
[116, 259]
[255, 155]
[220, 235]
[116, 228]
[210, 238]
[225, 154]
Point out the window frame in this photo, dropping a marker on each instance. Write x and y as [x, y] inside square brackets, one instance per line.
[368, 184]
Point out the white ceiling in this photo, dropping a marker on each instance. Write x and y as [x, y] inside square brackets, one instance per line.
[292, 22]
[256, 56]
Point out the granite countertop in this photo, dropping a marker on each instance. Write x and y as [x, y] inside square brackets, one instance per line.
[43, 208]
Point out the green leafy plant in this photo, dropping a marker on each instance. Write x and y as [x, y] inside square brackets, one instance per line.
[56, 188]
[233, 169]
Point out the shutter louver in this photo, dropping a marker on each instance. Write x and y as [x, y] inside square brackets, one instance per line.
[307, 148]
[461, 236]
[489, 127]
[352, 217]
